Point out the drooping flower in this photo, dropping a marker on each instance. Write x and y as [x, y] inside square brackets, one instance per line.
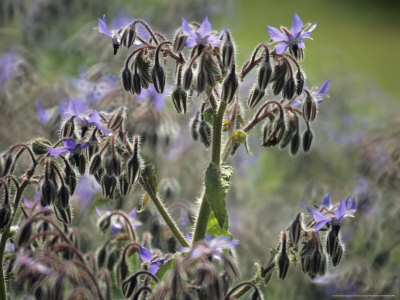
[293, 38]
[151, 94]
[345, 209]
[116, 223]
[211, 248]
[9, 64]
[85, 190]
[204, 36]
[317, 95]
[44, 114]
[79, 110]
[69, 147]
[154, 262]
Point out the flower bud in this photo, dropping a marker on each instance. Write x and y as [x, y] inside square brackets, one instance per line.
[289, 88]
[205, 133]
[108, 184]
[70, 178]
[68, 128]
[24, 233]
[124, 185]
[292, 126]
[309, 108]
[187, 78]
[122, 271]
[338, 254]
[7, 162]
[332, 240]
[136, 84]
[129, 286]
[158, 77]
[283, 259]
[179, 42]
[179, 98]
[133, 166]
[299, 82]
[40, 145]
[115, 44]
[307, 140]
[127, 79]
[295, 229]
[201, 81]
[264, 74]
[112, 259]
[101, 257]
[278, 85]
[255, 97]
[63, 196]
[5, 214]
[295, 144]
[322, 268]
[95, 164]
[194, 126]
[48, 192]
[115, 164]
[63, 214]
[116, 119]
[228, 52]
[256, 295]
[229, 86]
[128, 36]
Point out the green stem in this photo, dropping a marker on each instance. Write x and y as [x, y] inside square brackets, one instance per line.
[170, 222]
[204, 211]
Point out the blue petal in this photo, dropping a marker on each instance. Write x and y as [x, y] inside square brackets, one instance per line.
[297, 26]
[320, 224]
[185, 28]
[102, 26]
[281, 47]
[145, 254]
[69, 144]
[341, 210]
[275, 34]
[56, 152]
[308, 208]
[324, 88]
[354, 205]
[41, 112]
[327, 201]
[205, 28]
[318, 216]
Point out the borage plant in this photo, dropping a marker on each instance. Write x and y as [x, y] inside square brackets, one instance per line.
[40, 248]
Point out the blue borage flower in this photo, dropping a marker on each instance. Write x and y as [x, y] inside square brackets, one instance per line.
[153, 261]
[293, 38]
[211, 247]
[328, 213]
[204, 36]
[69, 147]
[116, 225]
[316, 94]
[151, 94]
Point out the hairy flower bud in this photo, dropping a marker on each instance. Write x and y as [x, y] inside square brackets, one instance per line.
[338, 254]
[179, 98]
[179, 41]
[40, 145]
[292, 126]
[63, 214]
[295, 229]
[283, 259]
[101, 257]
[108, 184]
[205, 133]
[133, 166]
[194, 126]
[228, 52]
[116, 119]
[307, 140]
[122, 271]
[70, 177]
[95, 164]
[299, 82]
[229, 86]
[255, 96]
[332, 240]
[136, 84]
[129, 286]
[115, 44]
[48, 192]
[278, 85]
[201, 81]
[158, 77]
[128, 36]
[127, 79]
[68, 128]
[63, 196]
[124, 185]
[309, 108]
[295, 144]
[289, 88]
[264, 74]
[187, 78]
[5, 214]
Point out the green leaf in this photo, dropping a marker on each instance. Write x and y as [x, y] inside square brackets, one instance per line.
[133, 262]
[162, 271]
[209, 116]
[217, 185]
[214, 229]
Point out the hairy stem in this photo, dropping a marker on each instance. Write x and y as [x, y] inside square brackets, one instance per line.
[204, 211]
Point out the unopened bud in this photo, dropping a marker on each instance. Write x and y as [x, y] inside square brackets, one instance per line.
[133, 166]
[136, 84]
[116, 119]
[63, 214]
[194, 126]
[48, 192]
[129, 286]
[205, 133]
[122, 271]
[229, 86]
[95, 164]
[278, 85]
[292, 126]
[101, 257]
[332, 240]
[264, 74]
[127, 79]
[179, 42]
[68, 128]
[63, 196]
[187, 78]
[283, 259]
[124, 185]
[179, 98]
[299, 82]
[255, 97]
[70, 178]
[40, 145]
[115, 44]
[5, 214]
[201, 81]
[128, 36]
[338, 254]
[307, 140]
[289, 88]
[228, 52]
[295, 229]
[108, 184]
[309, 108]
[295, 144]
[158, 77]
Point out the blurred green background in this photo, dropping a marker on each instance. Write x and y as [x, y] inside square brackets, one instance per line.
[356, 45]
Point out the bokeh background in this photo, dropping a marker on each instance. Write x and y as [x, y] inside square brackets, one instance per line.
[50, 51]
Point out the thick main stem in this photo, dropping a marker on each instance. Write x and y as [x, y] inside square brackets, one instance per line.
[204, 211]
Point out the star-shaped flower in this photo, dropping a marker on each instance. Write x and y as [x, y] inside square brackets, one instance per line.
[69, 146]
[154, 262]
[211, 248]
[293, 38]
[204, 36]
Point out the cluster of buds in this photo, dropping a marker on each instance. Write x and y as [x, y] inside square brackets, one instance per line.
[206, 63]
[314, 243]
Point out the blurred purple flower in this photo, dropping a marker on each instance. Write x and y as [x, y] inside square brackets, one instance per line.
[154, 262]
[116, 224]
[69, 146]
[317, 95]
[345, 209]
[31, 263]
[152, 95]
[212, 247]
[35, 203]
[86, 188]
[8, 67]
[292, 38]
[204, 36]
[79, 110]
[44, 115]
